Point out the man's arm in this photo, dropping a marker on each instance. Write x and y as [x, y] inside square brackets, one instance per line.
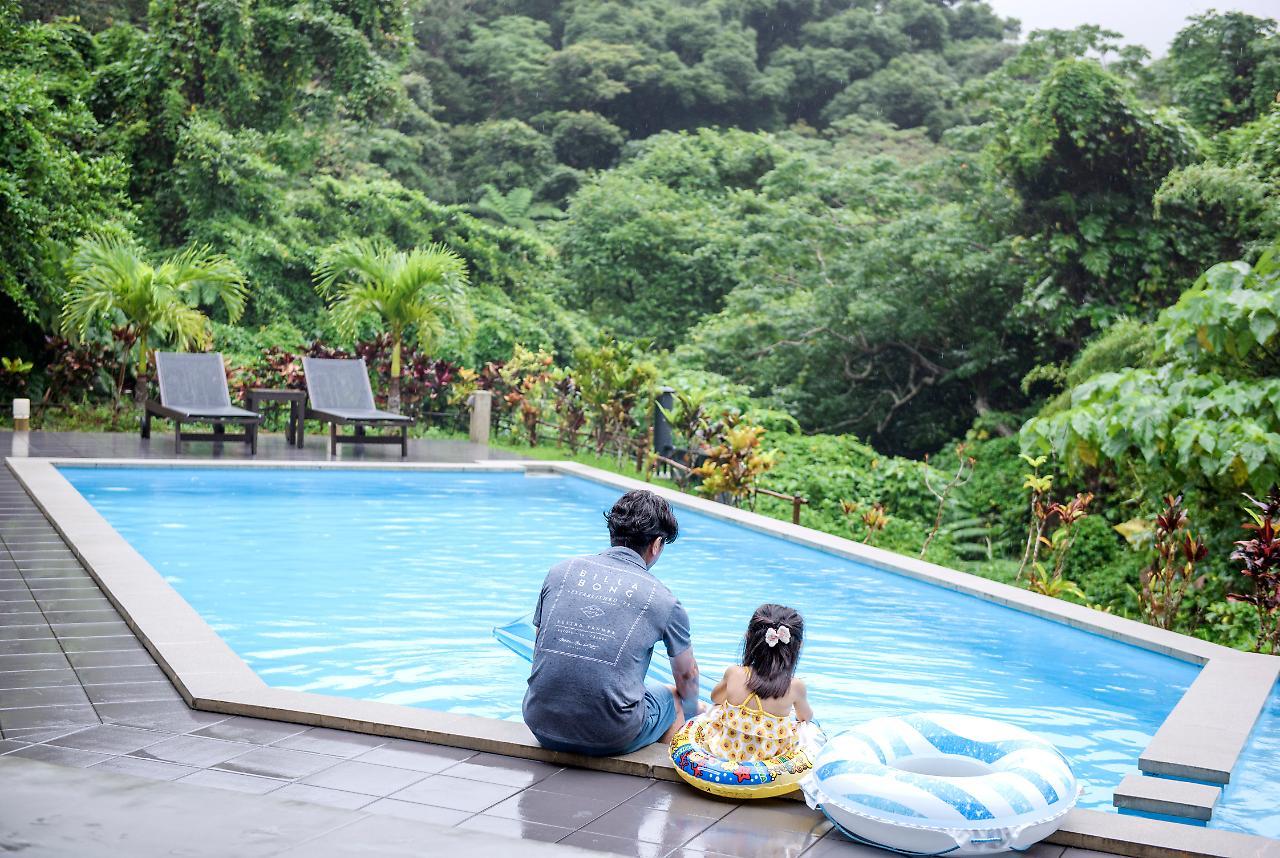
[684, 667]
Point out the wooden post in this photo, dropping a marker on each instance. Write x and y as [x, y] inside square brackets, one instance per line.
[481, 403]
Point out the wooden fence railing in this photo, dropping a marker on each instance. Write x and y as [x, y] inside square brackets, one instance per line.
[640, 448]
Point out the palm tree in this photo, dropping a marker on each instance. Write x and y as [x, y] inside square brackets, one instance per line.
[419, 290]
[514, 208]
[113, 286]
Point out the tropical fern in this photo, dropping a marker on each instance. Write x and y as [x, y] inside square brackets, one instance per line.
[515, 208]
[969, 537]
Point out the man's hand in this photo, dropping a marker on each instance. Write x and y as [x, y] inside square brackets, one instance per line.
[684, 667]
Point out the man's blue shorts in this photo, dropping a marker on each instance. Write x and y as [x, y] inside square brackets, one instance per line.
[659, 715]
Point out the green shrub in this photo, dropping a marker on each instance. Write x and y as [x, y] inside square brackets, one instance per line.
[532, 319]
[828, 469]
[1233, 624]
[775, 421]
[1101, 563]
[1126, 343]
[1115, 585]
[244, 346]
[995, 493]
[1096, 545]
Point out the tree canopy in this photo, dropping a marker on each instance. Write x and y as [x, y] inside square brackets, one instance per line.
[1205, 411]
[810, 199]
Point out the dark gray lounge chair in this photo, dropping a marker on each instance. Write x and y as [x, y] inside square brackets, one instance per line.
[193, 389]
[338, 393]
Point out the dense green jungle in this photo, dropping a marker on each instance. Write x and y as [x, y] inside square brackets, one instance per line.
[1009, 301]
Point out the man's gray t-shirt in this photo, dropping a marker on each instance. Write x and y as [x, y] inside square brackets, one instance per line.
[598, 620]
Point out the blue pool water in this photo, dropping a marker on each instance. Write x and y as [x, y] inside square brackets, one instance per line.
[1251, 802]
[386, 585]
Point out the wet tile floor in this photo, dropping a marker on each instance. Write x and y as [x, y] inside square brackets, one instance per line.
[78, 689]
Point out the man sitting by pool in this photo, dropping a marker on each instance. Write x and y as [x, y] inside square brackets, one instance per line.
[598, 620]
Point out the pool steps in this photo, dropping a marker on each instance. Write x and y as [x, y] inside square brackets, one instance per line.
[1173, 798]
[1205, 733]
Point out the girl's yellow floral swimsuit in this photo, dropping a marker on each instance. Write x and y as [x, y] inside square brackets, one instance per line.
[745, 732]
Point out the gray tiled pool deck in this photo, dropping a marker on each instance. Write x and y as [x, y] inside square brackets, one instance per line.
[78, 690]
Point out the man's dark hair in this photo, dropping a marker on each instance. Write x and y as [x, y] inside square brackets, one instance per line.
[640, 517]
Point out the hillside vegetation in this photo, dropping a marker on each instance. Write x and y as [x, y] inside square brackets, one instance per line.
[875, 229]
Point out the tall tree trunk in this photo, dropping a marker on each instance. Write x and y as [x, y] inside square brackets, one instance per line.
[980, 405]
[117, 397]
[393, 388]
[140, 380]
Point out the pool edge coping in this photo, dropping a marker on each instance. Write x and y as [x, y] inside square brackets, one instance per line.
[211, 677]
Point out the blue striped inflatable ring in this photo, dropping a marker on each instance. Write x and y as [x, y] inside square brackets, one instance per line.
[942, 784]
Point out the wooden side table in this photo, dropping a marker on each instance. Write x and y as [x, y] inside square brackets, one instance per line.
[297, 400]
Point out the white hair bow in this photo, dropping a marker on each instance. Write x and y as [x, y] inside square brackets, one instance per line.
[781, 633]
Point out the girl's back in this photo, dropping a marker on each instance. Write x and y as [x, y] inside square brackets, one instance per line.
[755, 701]
[735, 690]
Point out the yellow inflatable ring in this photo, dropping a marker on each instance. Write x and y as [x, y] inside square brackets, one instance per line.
[699, 768]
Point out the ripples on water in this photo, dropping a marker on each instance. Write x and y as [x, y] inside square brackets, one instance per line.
[385, 586]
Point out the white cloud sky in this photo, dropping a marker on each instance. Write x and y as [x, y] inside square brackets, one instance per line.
[1152, 24]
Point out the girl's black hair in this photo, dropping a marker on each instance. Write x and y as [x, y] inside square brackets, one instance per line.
[772, 666]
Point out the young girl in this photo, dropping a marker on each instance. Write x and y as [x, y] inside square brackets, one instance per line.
[752, 717]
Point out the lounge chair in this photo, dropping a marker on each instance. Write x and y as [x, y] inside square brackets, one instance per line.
[339, 394]
[193, 389]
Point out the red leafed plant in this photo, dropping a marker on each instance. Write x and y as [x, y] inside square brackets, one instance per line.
[1261, 558]
[424, 381]
[1059, 543]
[73, 370]
[277, 369]
[570, 411]
[1173, 570]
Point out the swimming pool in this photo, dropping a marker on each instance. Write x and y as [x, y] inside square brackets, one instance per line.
[385, 586]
